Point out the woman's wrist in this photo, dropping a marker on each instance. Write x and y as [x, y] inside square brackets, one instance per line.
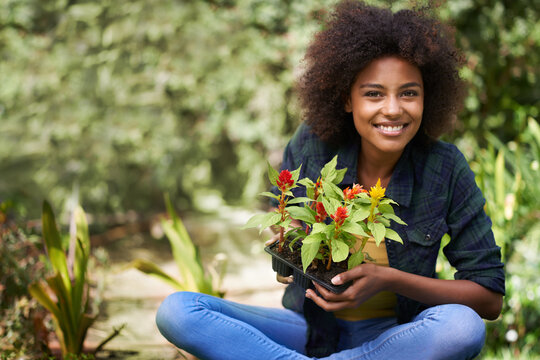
[388, 278]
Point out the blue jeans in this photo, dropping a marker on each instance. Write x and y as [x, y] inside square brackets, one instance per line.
[213, 328]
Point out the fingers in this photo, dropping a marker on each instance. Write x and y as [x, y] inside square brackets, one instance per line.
[327, 294]
[326, 305]
[284, 279]
[349, 275]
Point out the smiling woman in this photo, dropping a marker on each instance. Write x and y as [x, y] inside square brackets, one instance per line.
[379, 88]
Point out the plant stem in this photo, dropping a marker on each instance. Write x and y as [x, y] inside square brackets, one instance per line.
[374, 204]
[329, 256]
[281, 231]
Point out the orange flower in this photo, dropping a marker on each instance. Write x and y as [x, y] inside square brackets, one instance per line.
[350, 194]
[340, 215]
[285, 180]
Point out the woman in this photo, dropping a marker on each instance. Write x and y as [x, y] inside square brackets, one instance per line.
[378, 90]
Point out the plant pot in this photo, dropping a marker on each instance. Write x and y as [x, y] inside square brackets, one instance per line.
[288, 263]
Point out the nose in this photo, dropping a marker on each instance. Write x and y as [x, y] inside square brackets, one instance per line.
[392, 107]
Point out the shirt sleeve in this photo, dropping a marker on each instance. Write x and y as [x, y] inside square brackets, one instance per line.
[472, 249]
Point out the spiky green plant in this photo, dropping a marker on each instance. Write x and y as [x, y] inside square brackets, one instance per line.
[193, 276]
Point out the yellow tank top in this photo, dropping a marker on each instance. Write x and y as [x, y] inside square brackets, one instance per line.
[382, 304]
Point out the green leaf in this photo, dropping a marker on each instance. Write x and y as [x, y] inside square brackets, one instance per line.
[340, 174]
[387, 201]
[306, 182]
[383, 220]
[396, 218]
[354, 228]
[301, 213]
[185, 254]
[392, 235]
[328, 172]
[82, 252]
[285, 223]
[256, 220]
[270, 195]
[271, 219]
[359, 214]
[362, 200]
[328, 206]
[150, 268]
[310, 192]
[499, 175]
[296, 173]
[38, 292]
[332, 191]
[273, 174]
[386, 209]
[340, 250]
[310, 248]
[66, 318]
[299, 200]
[378, 231]
[355, 259]
[84, 324]
[53, 243]
[320, 228]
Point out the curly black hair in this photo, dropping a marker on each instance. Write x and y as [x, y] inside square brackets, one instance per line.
[356, 34]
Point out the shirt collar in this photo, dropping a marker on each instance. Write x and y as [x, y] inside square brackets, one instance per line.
[401, 183]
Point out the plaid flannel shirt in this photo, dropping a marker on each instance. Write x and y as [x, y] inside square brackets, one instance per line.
[436, 193]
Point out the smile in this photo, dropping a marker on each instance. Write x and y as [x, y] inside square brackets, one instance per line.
[390, 129]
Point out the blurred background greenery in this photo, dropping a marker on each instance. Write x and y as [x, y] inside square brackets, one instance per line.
[122, 101]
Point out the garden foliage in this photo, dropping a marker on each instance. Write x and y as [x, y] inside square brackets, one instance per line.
[22, 326]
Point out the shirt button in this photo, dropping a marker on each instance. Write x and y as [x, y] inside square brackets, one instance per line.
[428, 237]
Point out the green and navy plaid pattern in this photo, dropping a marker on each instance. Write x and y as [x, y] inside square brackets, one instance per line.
[436, 193]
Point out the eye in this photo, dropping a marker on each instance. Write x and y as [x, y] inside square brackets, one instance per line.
[373, 93]
[409, 93]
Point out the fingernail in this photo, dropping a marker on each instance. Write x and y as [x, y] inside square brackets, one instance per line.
[308, 294]
[336, 280]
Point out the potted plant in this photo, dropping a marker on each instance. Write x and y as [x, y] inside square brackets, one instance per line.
[337, 225]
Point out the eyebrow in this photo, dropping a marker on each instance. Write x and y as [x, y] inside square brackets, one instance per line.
[379, 86]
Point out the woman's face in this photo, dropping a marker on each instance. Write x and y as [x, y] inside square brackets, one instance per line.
[386, 102]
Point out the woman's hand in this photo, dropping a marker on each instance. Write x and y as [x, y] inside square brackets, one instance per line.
[368, 280]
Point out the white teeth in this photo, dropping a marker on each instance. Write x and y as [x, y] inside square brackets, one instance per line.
[391, 128]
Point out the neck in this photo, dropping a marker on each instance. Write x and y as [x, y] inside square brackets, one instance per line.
[376, 165]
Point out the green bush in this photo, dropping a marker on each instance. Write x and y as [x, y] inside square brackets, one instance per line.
[22, 326]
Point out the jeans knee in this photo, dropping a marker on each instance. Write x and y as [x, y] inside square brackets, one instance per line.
[172, 314]
[465, 330]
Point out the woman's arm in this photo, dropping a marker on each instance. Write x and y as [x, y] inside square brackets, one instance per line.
[369, 279]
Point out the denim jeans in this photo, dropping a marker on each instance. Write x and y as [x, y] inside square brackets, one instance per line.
[212, 328]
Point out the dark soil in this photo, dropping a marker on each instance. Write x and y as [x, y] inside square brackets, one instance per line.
[316, 271]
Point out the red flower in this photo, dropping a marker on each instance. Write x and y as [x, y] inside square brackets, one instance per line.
[321, 212]
[350, 194]
[340, 215]
[285, 180]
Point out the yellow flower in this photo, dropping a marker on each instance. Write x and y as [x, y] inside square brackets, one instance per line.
[377, 191]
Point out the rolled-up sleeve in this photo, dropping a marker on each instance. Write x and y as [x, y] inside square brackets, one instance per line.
[472, 249]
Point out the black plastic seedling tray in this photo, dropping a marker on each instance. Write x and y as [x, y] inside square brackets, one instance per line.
[285, 268]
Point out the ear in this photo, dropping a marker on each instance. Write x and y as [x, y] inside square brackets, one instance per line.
[348, 105]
